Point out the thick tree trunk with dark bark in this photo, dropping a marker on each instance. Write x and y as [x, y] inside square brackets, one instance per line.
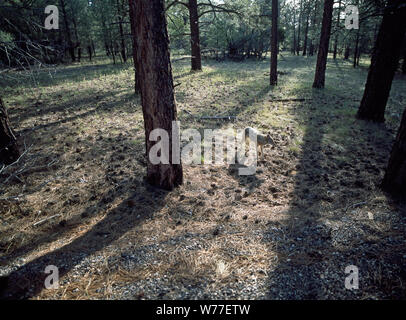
[195, 36]
[274, 43]
[384, 62]
[394, 181]
[8, 143]
[320, 75]
[133, 31]
[156, 83]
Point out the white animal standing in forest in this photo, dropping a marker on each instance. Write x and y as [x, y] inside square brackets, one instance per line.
[261, 139]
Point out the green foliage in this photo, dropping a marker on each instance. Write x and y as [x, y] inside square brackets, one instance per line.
[240, 28]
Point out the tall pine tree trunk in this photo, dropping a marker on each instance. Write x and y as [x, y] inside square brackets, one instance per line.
[195, 36]
[320, 75]
[384, 62]
[274, 43]
[8, 143]
[394, 181]
[156, 83]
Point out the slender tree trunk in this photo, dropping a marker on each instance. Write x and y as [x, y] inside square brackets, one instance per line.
[384, 62]
[122, 41]
[347, 52]
[274, 43]
[311, 48]
[113, 51]
[90, 52]
[133, 32]
[195, 36]
[298, 30]
[77, 43]
[121, 30]
[306, 31]
[320, 75]
[314, 22]
[93, 48]
[394, 181]
[67, 31]
[356, 48]
[337, 28]
[294, 28]
[8, 143]
[358, 56]
[118, 52]
[156, 83]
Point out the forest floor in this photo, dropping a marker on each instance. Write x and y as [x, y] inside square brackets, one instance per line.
[77, 199]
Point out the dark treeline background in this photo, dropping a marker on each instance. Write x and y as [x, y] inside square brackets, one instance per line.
[237, 29]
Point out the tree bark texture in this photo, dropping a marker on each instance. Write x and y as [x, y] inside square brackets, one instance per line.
[156, 83]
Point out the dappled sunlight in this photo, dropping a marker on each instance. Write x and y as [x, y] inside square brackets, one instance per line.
[258, 229]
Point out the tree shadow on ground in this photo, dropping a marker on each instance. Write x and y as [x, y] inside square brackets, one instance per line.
[325, 228]
[111, 177]
[28, 280]
[76, 111]
[249, 182]
[59, 75]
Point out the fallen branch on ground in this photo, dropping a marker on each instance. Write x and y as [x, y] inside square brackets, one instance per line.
[182, 58]
[293, 99]
[17, 161]
[355, 205]
[218, 117]
[46, 219]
